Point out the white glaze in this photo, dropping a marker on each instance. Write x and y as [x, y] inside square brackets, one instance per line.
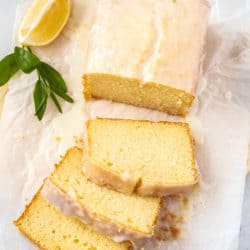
[147, 46]
[71, 207]
[126, 176]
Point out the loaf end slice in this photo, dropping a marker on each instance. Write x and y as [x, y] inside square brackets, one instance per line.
[157, 68]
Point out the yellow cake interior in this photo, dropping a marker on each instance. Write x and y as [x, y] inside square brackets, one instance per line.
[131, 91]
[154, 153]
[135, 213]
[50, 229]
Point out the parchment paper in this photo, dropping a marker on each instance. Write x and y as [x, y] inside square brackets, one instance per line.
[219, 120]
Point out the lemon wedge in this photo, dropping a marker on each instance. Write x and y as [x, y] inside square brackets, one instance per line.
[43, 22]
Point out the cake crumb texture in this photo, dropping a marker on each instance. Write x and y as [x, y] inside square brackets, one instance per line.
[48, 228]
[157, 158]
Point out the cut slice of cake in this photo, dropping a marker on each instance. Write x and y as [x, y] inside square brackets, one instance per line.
[151, 59]
[149, 158]
[120, 216]
[48, 228]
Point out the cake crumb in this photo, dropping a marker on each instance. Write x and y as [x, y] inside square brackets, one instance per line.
[172, 218]
[19, 136]
[228, 95]
[168, 226]
[58, 138]
[79, 141]
[175, 232]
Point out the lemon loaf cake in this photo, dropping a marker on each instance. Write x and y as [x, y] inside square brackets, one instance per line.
[149, 158]
[48, 228]
[120, 216]
[151, 59]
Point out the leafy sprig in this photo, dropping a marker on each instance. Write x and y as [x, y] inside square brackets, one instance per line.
[50, 83]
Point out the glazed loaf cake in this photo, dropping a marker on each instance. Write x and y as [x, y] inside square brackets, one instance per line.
[146, 53]
[48, 228]
[149, 158]
[120, 216]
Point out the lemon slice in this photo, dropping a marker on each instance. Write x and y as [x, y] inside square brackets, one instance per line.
[43, 22]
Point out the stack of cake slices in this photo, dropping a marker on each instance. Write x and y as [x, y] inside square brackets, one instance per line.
[108, 194]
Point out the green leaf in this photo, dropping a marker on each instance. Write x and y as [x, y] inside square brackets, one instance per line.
[40, 96]
[8, 68]
[53, 77]
[64, 96]
[49, 79]
[26, 60]
[40, 113]
[54, 99]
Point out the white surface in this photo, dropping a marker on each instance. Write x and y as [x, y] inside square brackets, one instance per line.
[7, 19]
[220, 118]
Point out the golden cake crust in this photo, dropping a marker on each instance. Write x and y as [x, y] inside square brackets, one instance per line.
[177, 101]
[18, 224]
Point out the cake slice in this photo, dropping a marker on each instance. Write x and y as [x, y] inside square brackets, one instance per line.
[146, 53]
[149, 158]
[48, 228]
[120, 216]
